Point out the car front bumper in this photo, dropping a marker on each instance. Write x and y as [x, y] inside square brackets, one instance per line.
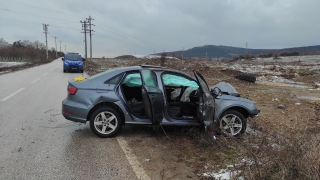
[73, 68]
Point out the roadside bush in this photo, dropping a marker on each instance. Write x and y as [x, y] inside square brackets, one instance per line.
[304, 72]
[293, 53]
[163, 58]
[266, 55]
[28, 52]
[243, 56]
[285, 155]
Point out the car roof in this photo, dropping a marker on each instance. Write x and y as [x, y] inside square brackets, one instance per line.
[71, 53]
[118, 70]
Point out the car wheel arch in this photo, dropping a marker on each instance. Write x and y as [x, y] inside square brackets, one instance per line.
[106, 104]
[240, 109]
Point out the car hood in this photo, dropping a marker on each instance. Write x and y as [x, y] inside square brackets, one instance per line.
[229, 93]
[233, 98]
[226, 88]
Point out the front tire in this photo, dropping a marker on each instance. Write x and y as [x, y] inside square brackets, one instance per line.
[232, 123]
[105, 122]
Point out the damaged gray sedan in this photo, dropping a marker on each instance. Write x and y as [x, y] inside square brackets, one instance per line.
[152, 95]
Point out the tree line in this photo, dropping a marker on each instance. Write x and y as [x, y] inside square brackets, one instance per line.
[266, 55]
[26, 51]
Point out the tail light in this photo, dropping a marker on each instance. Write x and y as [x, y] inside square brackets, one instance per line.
[72, 90]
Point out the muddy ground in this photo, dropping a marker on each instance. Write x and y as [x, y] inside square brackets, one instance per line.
[192, 153]
[189, 152]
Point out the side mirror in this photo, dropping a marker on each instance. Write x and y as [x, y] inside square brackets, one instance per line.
[62, 59]
[83, 59]
[216, 91]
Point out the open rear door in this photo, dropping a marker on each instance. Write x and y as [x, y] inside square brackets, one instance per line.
[206, 101]
[152, 97]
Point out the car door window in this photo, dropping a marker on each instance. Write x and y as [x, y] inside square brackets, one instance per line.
[133, 80]
[203, 84]
[148, 78]
[114, 80]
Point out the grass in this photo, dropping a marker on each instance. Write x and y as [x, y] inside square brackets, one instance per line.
[286, 145]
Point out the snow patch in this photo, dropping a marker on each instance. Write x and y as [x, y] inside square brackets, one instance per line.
[10, 64]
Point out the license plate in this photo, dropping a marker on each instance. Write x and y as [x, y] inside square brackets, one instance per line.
[73, 68]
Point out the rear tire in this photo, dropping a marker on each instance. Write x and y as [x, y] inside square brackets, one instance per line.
[105, 122]
[246, 77]
[64, 71]
[232, 123]
[81, 71]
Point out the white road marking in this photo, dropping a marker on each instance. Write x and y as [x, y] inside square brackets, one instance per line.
[8, 97]
[35, 80]
[136, 166]
[45, 74]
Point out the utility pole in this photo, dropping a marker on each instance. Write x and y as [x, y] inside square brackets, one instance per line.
[65, 48]
[55, 40]
[85, 30]
[246, 47]
[60, 46]
[45, 29]
[182, 52]
[90, 31]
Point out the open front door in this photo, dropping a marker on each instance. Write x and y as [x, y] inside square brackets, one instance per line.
[206, 101]
[152, 97]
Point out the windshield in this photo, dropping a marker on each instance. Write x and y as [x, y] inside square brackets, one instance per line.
[73, 57]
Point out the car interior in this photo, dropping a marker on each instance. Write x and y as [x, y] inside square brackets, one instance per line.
[181, 95]
[179, 107]
[131, 89]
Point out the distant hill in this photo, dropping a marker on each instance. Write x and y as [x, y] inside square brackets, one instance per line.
[214, 51]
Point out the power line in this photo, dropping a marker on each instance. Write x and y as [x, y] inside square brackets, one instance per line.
[124, 35]
[33, 6]
[52, 12]
[118, 39]
[12, 11]
[116, 32]
[29, 22]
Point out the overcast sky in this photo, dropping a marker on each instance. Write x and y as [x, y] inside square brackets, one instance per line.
[144, 26]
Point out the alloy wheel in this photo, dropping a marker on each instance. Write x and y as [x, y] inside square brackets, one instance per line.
[231, 125]
[105, 122]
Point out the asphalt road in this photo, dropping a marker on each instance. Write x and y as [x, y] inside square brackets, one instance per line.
[37, 142]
